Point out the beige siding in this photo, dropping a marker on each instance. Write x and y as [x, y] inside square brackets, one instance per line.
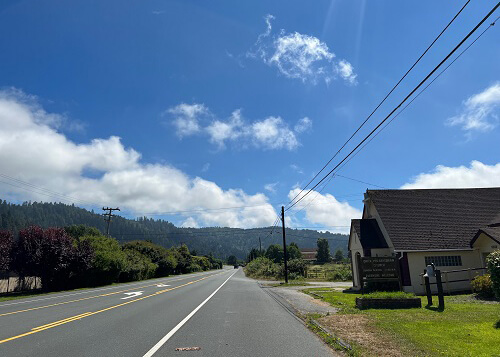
[416, 261]
[355, 247]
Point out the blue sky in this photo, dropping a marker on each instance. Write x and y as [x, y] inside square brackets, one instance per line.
[192, 106]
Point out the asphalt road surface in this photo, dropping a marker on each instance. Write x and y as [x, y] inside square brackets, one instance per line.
[219, 313]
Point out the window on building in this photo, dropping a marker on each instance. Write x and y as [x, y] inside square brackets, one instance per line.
[444, 260]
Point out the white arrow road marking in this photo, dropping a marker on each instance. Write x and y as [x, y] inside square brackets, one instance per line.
[132, 294]
[162, 285]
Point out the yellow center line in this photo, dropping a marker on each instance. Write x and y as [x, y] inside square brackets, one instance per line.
[87, 314]
[64, 320]
[88, 298]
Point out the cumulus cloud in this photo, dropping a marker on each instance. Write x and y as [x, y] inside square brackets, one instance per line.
[187, 117]
[300, 56]
[33, 150]
[476, 175]
[303, 125]
[326, 210]
[480, 111]
[271, 133]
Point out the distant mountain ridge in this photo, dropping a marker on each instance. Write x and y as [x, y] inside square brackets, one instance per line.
[222, 242]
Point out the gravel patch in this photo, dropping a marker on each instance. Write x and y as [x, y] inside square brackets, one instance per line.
[301, 302]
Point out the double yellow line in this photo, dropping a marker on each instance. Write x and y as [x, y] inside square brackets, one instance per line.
[86, 298]
[87, 314]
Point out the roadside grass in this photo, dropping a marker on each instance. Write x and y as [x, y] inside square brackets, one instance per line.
[300, 282]
[462, 329]
[389, 295]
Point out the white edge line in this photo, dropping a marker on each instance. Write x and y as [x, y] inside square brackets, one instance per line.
[165, 338]
[102, 289]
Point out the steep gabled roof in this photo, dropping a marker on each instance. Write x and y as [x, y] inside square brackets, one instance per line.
[492, 232]
[431, 219]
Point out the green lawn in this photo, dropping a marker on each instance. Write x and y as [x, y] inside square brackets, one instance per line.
[464, 328]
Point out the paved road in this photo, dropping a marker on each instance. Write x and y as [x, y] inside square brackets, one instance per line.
[222, 312]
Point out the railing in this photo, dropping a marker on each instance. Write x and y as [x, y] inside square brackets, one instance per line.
[445, 276]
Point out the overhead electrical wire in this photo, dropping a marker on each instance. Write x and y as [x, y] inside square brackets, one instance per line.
[400, 104]
[419, 93]
[382, 101]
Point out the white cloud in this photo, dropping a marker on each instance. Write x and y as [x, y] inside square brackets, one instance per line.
[190, 222]
[187, 117]
[326, 210]
[479, 112]
[220, 131]
[300, 56]
[273, 133]
[346, 71]
[476, 175]
[303, 125]
[270, 133]
[34, 151]
[271, 187]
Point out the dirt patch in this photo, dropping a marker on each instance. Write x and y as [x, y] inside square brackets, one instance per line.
[358, 328]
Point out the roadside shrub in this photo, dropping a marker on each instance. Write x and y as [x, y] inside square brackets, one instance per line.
[297, 267]
[108, 262]
[193, 267]
[482, 286]
[263, 267]
[202, 262]
[493, 261]
[137, 267]
[6, 244]
[341, 272]
[50, 254]
[162, 257]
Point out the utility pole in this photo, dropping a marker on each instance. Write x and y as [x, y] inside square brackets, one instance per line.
[284, 243]
[260, 247]
[107, 217]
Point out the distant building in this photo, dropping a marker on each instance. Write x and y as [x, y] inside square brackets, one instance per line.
[309, 254]
[453, 228]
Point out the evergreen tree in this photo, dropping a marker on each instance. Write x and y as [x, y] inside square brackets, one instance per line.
[323, 254]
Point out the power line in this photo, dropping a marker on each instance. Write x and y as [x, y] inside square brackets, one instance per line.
[401, 103]
[383, 100]
[419, 93]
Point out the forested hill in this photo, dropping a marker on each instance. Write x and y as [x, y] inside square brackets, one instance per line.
[222, 242]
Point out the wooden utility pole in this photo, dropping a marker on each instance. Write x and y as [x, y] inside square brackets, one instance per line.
[260, 247]
[284, 243]
[107, 217]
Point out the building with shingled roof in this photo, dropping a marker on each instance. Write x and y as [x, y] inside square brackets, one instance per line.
[453, 228]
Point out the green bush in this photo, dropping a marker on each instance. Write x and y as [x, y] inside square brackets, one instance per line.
[482, 286]
[202, 262]
[108, 262]
[340, 272]
[137, 267]
[162, 257]
[297, 267]
[263, 267]
[493, 261]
